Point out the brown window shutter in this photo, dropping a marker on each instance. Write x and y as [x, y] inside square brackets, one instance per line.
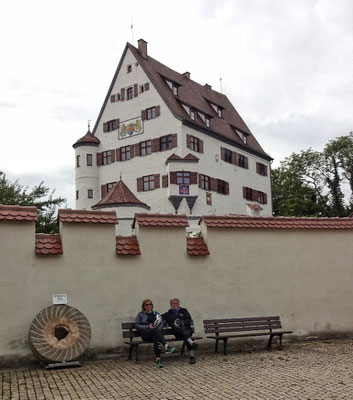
[112, 154]
[155, 145]
[137, 149]
[158, 111]
[143, 115]
[199, 176]
[117, 152]
[226, 187]
[258, 167]
[265, 198]
[173, 177]
[174, 140]
[112, 98]
[246, 164]
[105, 127]
[132, 151]
[244, 192]
[103, 190]
[117, 123]
[122, 94]
[164, 181]
[147, 86]
[140, 184]
[99, 159]
[114, 125]
[193, 178]
[234, 158]
[223, 153]
[157, 183]
[265, 170]
[213, 184]
[188, 139]
[200, 146]
[136, 91]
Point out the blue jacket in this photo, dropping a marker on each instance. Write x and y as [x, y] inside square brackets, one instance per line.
[141, 321]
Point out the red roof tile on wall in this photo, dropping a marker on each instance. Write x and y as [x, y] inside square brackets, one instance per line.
[48, 244]
[197, 247]
[84, 216]
[243, 222]
[127, 246]
[18, 213]
[161, 220]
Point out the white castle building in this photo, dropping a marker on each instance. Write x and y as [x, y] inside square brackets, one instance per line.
[163, 143]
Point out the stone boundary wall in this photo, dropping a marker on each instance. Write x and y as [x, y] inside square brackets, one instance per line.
[300, 269]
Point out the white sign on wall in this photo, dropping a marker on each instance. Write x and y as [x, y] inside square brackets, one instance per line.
[59, 298]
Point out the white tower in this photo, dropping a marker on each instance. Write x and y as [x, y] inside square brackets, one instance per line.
[86, 171]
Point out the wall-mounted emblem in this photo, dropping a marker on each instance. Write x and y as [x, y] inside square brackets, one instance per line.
[183, 189]
[131, 127]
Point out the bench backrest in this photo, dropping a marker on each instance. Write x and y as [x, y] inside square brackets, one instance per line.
[241, 324]
[130, 331]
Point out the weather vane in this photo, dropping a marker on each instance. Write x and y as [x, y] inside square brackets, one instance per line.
[220, 82]
[132, 31]
[89, 124]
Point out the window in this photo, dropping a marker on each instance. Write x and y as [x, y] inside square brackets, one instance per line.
[111, 125]
[261, 197]
[77, 161]
[192, 114]
[110, 186]
[125, 153]
[242, 161]
[89, 160]
[107, 157]
[221, 186]
[118, 97]
[248, 193]
[194, 143]
[207, 122]
[205, 182]
[219, 111]
[227, 156]
[130, 93]
[112, 98]
[128, 68]
[183, 178]
[90, 193]
[151, 113]
[148, 182]
[146, 148]
[261, 169]
[165, 142]
[76, 194]
[209, 198]
[175, 90]
[142, 88]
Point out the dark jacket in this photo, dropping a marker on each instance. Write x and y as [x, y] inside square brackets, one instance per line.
[141, 321]
[170, 316]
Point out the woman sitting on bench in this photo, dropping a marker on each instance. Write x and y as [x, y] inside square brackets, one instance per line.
[150, 324]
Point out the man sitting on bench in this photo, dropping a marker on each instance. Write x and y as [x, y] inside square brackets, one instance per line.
[179, 320]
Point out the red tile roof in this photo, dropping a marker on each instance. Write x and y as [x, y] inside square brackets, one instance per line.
[255, 207]
[18, 213]
[197, 247]
[161, 220]
[89, 139]
[48, 244]
[120, 194]
[191, 157]
[84, 216]
[127, 246]
[245, 222]
[188, 157]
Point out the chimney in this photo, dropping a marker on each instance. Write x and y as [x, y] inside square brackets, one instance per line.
[142, 45]
[208, 86]
[186, 74]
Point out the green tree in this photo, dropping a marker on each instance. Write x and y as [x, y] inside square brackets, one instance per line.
[40, 196]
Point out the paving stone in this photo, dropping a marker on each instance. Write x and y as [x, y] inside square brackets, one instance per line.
[302, 371]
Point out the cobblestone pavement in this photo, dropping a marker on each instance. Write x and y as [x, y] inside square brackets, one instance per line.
[305, 370]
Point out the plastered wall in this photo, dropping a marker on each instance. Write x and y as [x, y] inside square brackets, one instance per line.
[303, 276]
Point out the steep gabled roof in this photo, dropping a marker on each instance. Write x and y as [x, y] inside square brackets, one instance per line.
[119, 195]
[200, 97]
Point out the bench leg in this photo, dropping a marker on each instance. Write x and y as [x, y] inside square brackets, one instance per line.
[130, 351]
[280, 342]
[183, 348]
[225, 342]
[216, 346]
[137, 354]
[269, 344]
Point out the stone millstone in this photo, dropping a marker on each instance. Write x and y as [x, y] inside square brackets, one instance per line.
[59, 333]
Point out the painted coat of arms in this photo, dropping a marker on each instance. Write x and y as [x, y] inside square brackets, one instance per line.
[130, 127]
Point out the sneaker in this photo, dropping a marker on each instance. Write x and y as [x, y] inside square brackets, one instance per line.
[170, 350]
[192, 360]
[195, 346]
[159, 364]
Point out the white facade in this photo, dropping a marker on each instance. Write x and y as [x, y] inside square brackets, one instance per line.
[167, 123]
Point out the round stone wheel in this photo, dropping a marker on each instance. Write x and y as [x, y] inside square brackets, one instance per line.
[59, 333]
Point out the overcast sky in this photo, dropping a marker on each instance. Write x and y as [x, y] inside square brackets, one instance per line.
[286, 65]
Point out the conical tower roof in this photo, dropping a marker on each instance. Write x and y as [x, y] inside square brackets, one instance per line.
[88, 140]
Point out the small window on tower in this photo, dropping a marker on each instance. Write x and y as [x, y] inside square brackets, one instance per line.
[76, 194]
[90, 193]
[77, 161]
[89, 160]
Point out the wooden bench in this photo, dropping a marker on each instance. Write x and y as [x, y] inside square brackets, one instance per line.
[130, 332]
[223, 329]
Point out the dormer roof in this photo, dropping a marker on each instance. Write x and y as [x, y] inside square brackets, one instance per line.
[120, 195]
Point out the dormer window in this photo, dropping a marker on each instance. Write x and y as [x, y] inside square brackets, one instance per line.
[175, 90]
[192, 114]
[173, 87]
[207, 122]
[129, 68]
[220, 112]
